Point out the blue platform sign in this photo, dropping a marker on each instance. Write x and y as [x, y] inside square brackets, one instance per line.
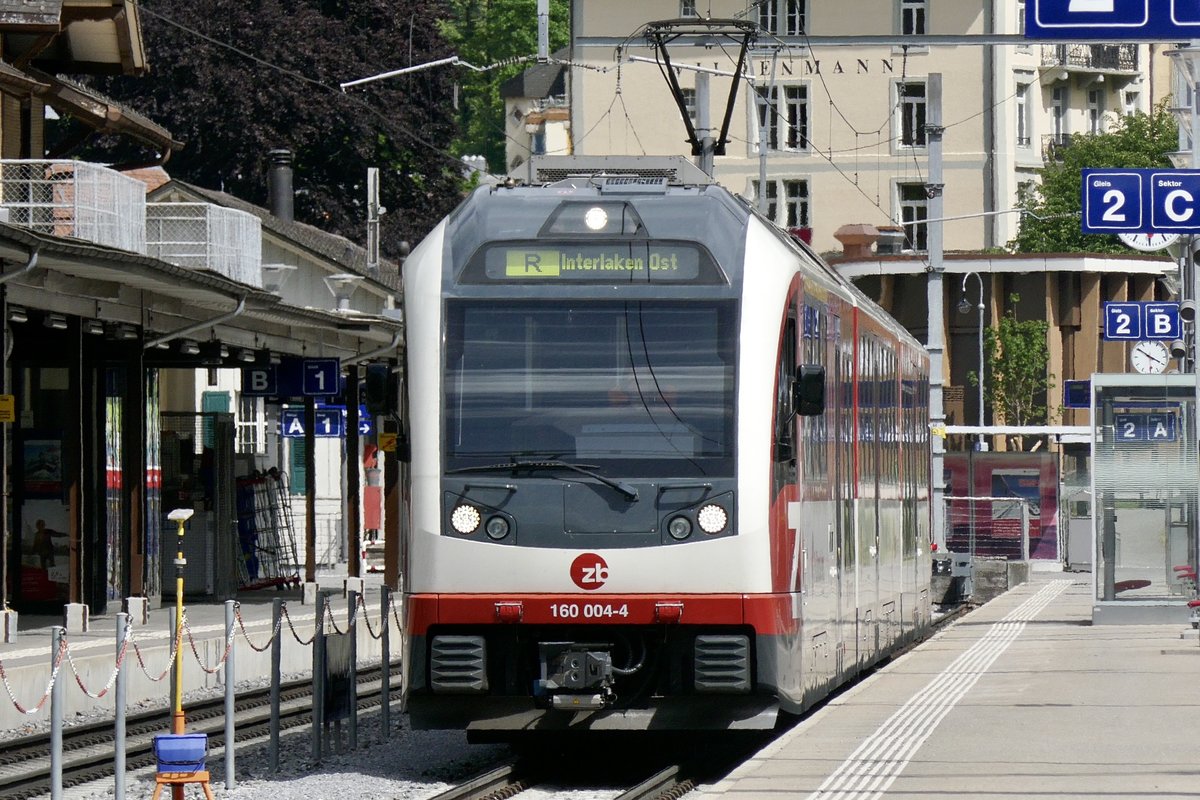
[320, 377]
[1077, 394]
[1138, 20]
[1130, 322]
[1141, 200]
[328, 420]
[1123, 321]
[1144, 427]
[260, 381]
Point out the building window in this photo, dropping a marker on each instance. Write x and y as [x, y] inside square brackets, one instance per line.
[1095, 111]
[1059, 98]
[772, 198]
[787, 127]
[796, 198]
[537, 142]
[1024, 122]
[1132, 101]
[781, 17]
[795, 203]
[687, 8]
[689, 103]
[912, 17]
[911, 106]
[914, 213]
[1021, 17]
[251, 426]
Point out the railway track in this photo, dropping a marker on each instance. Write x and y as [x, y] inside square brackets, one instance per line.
[88, 748]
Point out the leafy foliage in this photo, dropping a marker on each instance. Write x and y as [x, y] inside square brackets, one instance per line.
[236, 80]
[484, 32]
[1052, 222]
[1016, 354]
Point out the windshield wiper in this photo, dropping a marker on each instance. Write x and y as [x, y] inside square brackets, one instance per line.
[583, 469]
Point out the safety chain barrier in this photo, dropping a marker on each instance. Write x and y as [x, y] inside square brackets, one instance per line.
[367, 619]
[64, 652]
[216, 667]
[137, 651]
[333, 622]
[112, 679]
[58, 660]
[237, 612]
[292, 627]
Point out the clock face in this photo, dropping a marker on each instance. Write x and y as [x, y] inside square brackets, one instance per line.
[1150, 358]
[1148, 241]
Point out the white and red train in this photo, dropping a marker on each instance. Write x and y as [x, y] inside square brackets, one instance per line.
[669, 470]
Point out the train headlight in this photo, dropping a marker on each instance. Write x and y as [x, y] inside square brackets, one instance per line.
[497, 527]
[679, 528]
[465, 519]
[712, 518]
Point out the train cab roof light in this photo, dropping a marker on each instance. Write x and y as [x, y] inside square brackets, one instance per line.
[670, 612]
[606, 218]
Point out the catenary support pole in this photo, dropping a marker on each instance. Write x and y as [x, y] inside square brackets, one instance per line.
[935, 343]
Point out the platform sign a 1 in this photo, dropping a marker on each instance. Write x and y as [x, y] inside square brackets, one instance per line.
[1072, 20]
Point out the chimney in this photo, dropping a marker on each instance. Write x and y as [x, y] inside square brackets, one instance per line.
[856, 239]
[279, 184]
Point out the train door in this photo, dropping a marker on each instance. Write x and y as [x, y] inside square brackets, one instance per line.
[815, 486]
[868, 496]
[843, 465]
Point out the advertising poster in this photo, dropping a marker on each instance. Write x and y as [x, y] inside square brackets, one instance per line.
[45, 555]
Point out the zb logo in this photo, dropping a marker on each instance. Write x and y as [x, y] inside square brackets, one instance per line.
[589, 571]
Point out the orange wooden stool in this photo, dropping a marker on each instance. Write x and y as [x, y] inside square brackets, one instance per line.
[162, 779]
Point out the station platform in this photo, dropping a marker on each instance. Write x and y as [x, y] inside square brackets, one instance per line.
[1022, 697]
[25, 664]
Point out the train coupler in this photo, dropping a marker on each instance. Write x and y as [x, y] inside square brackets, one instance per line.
[575, 676]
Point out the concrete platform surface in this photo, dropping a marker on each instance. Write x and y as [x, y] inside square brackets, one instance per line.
[26, 662]
[1022, 697]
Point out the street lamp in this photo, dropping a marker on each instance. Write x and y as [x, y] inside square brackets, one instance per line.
[964, 307]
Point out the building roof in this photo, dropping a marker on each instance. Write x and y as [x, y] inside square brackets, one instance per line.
[539, 81]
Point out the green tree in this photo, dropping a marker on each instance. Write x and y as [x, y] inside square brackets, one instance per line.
[1016, 354]
[235, 79]
[1051, 222]
[485, 32]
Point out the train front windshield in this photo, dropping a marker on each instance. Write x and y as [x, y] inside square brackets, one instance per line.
[638, 388]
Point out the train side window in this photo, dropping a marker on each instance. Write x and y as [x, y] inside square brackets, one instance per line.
[809, 390]
[785, 409]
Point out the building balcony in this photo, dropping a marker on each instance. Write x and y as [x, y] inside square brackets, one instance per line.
[206, 236]
[1114, 58]
[74, 199]
[1053, 145]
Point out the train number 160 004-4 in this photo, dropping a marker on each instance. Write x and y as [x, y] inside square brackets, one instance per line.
[588, 611]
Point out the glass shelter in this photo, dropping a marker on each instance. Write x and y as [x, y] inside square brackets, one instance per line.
[1144, 489]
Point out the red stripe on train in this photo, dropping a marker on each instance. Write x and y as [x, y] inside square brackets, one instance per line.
[766, 613]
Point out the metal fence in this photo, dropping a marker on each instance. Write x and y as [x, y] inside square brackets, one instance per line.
[77, 199]
[988, 526]
[206, 236]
